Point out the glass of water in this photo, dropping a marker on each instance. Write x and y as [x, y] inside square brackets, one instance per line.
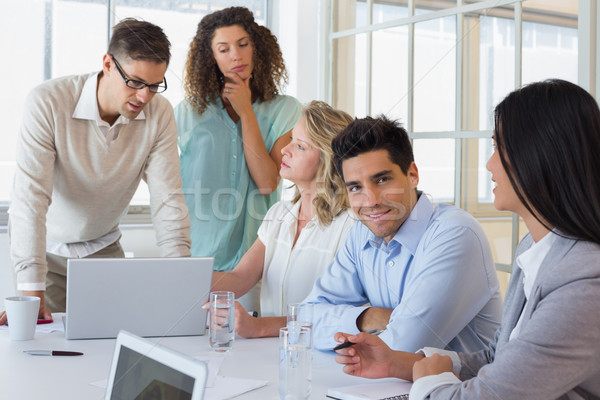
[300, 312]
[222, 320]
[293, 309]
[295, 359]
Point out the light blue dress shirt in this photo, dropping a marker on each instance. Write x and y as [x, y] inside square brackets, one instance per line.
[437, 273]
[225, 205]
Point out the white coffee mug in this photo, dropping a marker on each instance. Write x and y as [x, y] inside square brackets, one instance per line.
[22, 314]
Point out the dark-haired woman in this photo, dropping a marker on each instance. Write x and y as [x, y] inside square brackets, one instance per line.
[545, 168]
[232, 127]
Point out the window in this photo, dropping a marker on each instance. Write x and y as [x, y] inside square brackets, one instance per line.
[440, 67]
[52, 38]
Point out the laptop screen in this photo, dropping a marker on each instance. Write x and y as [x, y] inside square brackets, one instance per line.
[153, 297]
[141, 378]
[144, 370]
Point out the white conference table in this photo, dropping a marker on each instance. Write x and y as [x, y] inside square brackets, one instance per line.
[26, 377]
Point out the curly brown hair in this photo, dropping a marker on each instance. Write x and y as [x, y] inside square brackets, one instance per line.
[203, 80]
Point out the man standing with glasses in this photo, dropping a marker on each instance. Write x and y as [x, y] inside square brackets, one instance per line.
[84, 145]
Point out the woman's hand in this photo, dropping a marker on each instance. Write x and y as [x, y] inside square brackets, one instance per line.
[263, 163]
[434, 365]
[246, 325]
[236, 92]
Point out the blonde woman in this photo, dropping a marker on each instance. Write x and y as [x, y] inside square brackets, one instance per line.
[298, 239]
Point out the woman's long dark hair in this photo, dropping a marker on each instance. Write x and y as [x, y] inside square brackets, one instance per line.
[548, 138]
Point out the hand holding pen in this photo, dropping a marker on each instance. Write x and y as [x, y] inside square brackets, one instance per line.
[349, 343]
[366, 355]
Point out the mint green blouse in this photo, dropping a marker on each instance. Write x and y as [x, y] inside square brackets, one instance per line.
[224, 203]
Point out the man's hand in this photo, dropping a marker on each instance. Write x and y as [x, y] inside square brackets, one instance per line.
[374, 318]
[371, 358]
[434, 365]
[44, 312]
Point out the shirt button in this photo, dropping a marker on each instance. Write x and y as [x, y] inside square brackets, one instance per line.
[234, 156]
[390, 263]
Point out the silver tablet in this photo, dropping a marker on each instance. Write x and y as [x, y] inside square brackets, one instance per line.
[142, 369]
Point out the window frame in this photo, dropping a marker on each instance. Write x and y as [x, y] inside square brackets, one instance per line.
[137, 214]
[466, 89]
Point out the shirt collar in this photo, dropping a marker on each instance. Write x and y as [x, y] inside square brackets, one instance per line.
[410, 232]
[291, 217]
[87, 106]
[292, 212]
[531, 260]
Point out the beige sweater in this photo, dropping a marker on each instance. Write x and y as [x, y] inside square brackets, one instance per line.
[73, 186]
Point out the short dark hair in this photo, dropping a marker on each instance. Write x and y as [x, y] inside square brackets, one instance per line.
[548, 138]
[139, 40]
[369, 134]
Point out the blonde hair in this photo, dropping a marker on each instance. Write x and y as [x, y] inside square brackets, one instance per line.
[322, 124]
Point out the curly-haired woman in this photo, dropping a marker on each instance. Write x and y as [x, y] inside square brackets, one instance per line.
[232, 127]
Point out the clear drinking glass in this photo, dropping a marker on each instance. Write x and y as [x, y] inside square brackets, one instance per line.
[293, 309]
[222, 320]
[295, 362]
[300, 312]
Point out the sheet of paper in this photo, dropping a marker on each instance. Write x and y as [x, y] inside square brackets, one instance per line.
[56, 326]
[224, 387]
[101, 383]
[227, 387]
[214, 365]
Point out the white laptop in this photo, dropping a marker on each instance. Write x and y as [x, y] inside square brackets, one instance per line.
[145, 296]
[144, 370]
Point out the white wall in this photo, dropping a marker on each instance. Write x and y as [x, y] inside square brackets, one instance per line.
[300, 30]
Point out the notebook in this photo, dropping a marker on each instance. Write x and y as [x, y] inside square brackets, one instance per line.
[382, 389]
[145, 296]
[145, 370]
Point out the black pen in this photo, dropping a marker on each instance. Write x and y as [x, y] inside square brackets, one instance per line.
[52, 353]
[348, 344]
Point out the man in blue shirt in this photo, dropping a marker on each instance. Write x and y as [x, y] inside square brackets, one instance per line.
[422, 273]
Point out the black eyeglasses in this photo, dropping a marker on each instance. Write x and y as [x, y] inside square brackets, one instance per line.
[138, 85]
